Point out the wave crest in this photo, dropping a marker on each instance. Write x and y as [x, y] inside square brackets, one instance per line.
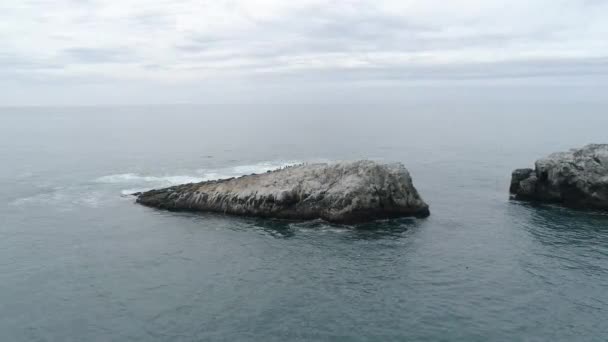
[136, 178]
[146, 182]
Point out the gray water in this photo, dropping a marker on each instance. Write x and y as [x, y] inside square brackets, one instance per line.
[79, 261]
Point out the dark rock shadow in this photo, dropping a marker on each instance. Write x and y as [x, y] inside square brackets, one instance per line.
[553, 224]
[284, 229]
[382, 229]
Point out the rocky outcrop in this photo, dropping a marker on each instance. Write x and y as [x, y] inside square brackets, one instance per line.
[577, 178]
[347, 192]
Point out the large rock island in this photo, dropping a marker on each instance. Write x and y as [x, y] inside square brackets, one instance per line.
[577, 178]
[346, 192]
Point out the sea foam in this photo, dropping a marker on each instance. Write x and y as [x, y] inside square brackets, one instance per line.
[140, 182]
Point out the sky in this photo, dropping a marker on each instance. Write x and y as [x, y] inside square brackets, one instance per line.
[80, 52]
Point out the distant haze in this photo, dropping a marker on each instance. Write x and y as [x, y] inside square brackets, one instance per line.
[77, 52]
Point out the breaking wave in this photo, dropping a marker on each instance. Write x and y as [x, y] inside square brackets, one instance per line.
[136, 178]
[93, 196]
[141, 182]
[62, 198]
[258, 168]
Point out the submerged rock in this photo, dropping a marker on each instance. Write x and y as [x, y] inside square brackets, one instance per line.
[577, 178]
[344, 192]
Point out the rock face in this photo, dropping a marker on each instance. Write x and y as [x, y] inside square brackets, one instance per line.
[577, 178]
[347, 192]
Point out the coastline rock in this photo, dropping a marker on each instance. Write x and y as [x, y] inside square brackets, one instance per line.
[577, 178]
[346, 192]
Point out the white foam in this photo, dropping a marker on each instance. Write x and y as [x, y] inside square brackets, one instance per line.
[136, 178]
[241, 170]
[180, 179]
[72, 197]
[142, 183]
[261, 167]
[44, 198]
[213, 175]
[128, 192]
[119, 178]
[68, 199]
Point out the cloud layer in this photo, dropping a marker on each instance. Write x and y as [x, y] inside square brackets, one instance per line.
[93, 42]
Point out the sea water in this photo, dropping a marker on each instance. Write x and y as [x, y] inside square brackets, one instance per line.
[80, 261]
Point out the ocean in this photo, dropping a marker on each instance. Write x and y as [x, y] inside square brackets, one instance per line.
[80, 261]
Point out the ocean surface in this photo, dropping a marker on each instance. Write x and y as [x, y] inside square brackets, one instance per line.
[79, 261]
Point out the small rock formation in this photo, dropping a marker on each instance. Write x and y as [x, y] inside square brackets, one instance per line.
[577, 178]
[346, 192]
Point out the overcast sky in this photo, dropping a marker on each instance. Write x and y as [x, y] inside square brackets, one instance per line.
[157, 51]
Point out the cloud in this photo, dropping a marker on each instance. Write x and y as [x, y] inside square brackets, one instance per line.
[167, 42]
[10, 62]
[87, 55]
